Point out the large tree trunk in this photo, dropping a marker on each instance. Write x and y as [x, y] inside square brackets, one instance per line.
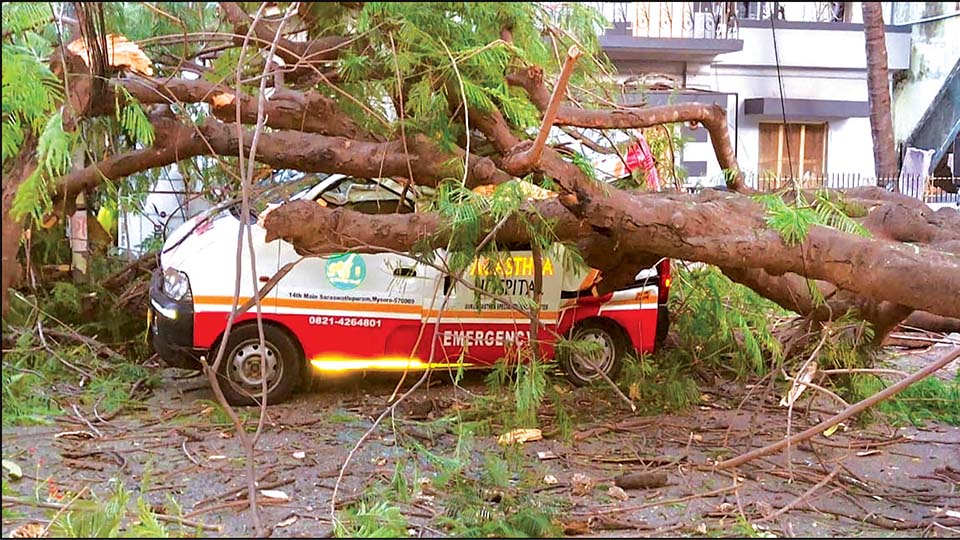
[911, 262]
[725, 229]
[21, 169]
[878, 86]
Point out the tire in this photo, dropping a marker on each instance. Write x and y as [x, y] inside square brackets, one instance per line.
[663, 326]
[614, 348]
[239, 369]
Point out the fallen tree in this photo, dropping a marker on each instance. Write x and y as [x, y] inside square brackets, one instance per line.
[471, 108]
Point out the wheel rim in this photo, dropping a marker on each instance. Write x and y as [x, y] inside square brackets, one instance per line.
[582, 364]
[243, 369]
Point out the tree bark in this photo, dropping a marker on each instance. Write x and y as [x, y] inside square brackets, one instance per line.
[21, 169]
[302, 58]
[616, 231]
[724, 229]
[310, 112]
[306, 152]
[878, 87]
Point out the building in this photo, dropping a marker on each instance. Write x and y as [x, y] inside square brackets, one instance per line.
[807, 65]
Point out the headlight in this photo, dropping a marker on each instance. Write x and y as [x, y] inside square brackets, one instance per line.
[176, 285]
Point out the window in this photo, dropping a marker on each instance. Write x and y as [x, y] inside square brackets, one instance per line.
[795, 150]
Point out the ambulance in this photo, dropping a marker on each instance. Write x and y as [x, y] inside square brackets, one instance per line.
[383, 311]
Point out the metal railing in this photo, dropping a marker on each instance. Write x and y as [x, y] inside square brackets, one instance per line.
[698, 20]
[794, 11]
[930, 189]
[710, 20]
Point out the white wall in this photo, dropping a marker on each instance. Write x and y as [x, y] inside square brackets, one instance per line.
[850, 147]
[827, 49]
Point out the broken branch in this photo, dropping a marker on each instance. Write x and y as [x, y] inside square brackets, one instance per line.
[853, 410]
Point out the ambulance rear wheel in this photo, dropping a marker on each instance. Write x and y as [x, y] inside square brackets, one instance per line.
[609, 345]
[240, 370]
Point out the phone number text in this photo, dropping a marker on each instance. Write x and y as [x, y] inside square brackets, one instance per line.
[344, 321]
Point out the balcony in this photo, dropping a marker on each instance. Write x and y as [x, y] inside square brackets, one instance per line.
[672, 31]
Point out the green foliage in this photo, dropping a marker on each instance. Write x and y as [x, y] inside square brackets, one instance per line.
[137, 21]
[529, 390]
[932, 399]
[439, 47]
[109, 518]
[54, 155]
[660, 383]
[25, 399]
[476, 511]
[399, 487]
[134, 120]
[65, 297]
[464, 211]
[36, 371]
[833, 212]
[371, 520]
[22, 17]
[30, 90]
[562, 419]
[527, 380]
[53, 147]
[30, 96]
[722, 324]
[792, 222]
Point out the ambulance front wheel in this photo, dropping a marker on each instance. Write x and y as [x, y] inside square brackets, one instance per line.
[605, 352]
[240, 370]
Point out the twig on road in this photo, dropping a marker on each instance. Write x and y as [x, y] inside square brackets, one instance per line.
[634, 508]
[802, 497]
[853, 410]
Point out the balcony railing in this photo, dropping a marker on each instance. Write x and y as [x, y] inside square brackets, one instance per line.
[696, 20]
[713, 20]
[795, 11]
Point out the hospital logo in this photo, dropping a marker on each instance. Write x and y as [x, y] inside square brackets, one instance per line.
[346, 271]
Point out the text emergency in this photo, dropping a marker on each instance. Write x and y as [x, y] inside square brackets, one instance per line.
[488, 338]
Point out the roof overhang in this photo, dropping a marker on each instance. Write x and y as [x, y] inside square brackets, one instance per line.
[806, 108]
[626, 47]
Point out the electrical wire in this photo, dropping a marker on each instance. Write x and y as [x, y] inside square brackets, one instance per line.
[783, 108]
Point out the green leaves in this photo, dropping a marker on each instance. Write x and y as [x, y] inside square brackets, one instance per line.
[134, 120]
[722, 323]
[53, 147]
[833, 214]
[30, 94]
[435, 46]
[793, 223]
[12, 138]
[22, 16]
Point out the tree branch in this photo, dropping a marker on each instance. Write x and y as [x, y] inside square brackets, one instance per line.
[724, 229]
[307, 152]
[310, 112]
[713, 117]
[300, 55]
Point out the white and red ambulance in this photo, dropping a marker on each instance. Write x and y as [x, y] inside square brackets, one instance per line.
[375, 312]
